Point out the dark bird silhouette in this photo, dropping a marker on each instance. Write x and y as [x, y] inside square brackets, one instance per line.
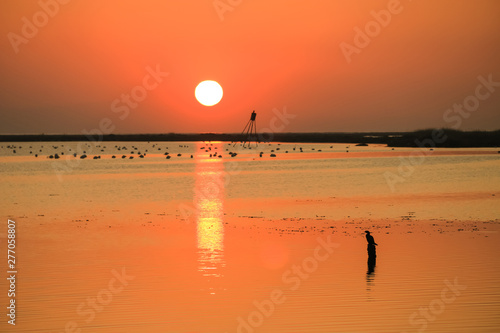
[372, 252]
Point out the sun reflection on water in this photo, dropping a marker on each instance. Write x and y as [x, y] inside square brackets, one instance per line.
[209, 198]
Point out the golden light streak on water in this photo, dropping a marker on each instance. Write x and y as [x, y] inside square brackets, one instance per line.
[209, 200]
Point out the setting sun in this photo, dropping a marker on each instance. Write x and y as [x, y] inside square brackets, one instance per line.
[208, 93]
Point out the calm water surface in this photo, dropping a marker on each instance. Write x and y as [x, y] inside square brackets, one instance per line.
[252, 244]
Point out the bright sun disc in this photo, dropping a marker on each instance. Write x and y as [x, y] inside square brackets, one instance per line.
[208, 93]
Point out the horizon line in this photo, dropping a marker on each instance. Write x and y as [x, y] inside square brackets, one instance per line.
[238, 133]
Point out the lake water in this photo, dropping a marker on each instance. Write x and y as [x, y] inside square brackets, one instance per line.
[248, 243]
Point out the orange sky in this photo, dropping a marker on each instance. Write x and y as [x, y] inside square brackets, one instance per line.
[64, 77]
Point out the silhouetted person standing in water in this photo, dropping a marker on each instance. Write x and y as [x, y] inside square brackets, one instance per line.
[372, 252]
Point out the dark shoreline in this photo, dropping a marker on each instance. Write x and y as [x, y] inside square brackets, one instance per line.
[452, 138]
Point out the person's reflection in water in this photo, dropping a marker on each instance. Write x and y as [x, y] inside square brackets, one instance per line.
[372, 252]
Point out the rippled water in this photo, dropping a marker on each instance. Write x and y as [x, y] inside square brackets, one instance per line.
[252, 244]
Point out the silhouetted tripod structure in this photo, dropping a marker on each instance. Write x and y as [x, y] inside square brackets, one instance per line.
[249, 133]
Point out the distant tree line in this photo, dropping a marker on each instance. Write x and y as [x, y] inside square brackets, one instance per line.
[451, 138]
